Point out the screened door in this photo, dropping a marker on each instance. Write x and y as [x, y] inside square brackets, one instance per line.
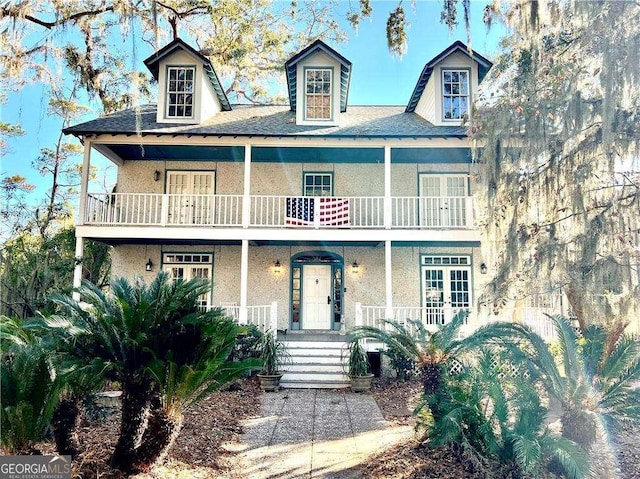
[443, 200]
[190, 197]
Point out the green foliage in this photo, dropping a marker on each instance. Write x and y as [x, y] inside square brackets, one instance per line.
[30, 388]
[273, 353]
[404, 368]
[357, 359]
[157, 342]
[32, 267]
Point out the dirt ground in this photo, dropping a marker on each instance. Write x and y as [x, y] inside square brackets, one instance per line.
[205, 447]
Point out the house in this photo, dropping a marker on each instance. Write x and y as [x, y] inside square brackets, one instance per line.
[310, 217]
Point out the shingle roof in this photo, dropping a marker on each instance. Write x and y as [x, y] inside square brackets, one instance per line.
[153, 64]
[483, 67]
[247, 120]
[318, 46]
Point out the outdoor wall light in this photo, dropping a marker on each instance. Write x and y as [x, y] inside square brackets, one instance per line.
[149, 265]
[483, 268]
[156, 175]
[277, 267]
[355, 267]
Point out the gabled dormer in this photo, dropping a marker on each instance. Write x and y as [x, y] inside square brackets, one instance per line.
[318, 80]
[189, 90]
[448, 85]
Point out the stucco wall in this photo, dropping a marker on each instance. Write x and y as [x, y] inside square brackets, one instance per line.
[265, 286]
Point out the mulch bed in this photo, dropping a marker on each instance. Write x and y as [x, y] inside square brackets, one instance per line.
[414, 461]
[205, 449]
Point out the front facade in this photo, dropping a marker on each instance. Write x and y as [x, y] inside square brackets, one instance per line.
[314, 216]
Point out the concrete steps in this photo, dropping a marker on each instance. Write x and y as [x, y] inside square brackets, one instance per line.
[315, 362]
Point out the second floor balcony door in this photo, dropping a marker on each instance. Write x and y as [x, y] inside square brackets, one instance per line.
[190, 197]
[316, 306]
[443, 200]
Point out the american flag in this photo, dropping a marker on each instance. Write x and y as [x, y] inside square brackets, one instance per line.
[328, 211]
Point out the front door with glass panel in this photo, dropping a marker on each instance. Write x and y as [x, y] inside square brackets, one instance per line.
[190, 197]
[443, 200]
[186, 266]
[446, 287]
[316, 302]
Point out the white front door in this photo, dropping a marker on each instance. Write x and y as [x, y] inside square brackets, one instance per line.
[186, 266]
[190, 196]
[446, 290]
[316, 298]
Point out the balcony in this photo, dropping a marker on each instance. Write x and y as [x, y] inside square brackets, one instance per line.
[357, 212]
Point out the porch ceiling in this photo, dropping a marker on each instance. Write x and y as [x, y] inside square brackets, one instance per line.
[289, 154]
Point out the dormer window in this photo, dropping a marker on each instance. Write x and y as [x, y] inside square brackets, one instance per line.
[318, 94]
[180, 88]
[455, 94]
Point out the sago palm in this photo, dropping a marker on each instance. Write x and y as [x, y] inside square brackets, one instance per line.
[136, 332]
[30, 387]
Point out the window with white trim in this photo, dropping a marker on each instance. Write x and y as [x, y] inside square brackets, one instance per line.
[455, 94]
[180, 91]
[318, 184]
[318, 94]
[187, 266]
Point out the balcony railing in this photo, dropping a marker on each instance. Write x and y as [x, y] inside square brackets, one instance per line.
[146, 209]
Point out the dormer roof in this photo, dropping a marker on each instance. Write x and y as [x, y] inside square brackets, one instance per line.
[153, 64]
[483, 67]
[315, 47]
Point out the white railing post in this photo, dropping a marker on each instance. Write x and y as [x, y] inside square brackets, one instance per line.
[273, 317]
[358, 314]
[315, 207]
[246, 198]
[164, 210]
[387, 188]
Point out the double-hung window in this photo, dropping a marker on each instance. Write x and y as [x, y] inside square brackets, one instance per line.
[455, 94]
[318, 94]
[180, 90]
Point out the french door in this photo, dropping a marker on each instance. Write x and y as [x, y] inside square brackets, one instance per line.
[191, 197]
[443, 200]
[187, 266]
[446, 287]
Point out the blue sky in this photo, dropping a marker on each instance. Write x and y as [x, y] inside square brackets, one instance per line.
[378, 78]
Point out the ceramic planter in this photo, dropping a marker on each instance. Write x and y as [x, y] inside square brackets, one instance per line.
[270, 382]
[360, 384]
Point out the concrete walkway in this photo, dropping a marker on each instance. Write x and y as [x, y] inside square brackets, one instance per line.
[315, 433]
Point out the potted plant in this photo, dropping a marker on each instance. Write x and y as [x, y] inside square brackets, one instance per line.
[358, 367]
[272, 354]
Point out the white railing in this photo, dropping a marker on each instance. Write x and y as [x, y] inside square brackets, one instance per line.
[317, 212]
[540, 323]
[264, 317]
[277, 211]
[162, 210]
[432, 212]
[430, 317]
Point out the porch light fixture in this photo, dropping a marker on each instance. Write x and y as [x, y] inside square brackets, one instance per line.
[277, 267]
[156, 175]
[149, 265]
[355, 267]
[483, 268]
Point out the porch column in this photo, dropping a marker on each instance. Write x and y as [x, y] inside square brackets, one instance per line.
[387, 187]
[244, 272]
[84, 183]
[77, 270]
[388, 283]
[246, 196]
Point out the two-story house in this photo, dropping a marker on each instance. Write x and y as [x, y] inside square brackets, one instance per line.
[312, 217]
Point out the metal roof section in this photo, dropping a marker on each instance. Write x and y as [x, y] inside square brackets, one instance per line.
[271, 121]
[483, 67]
[318, 46]
[153, 64]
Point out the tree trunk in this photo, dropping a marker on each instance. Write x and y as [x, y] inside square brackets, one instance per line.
[135, 403]
[160, 434]
[66, 418]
